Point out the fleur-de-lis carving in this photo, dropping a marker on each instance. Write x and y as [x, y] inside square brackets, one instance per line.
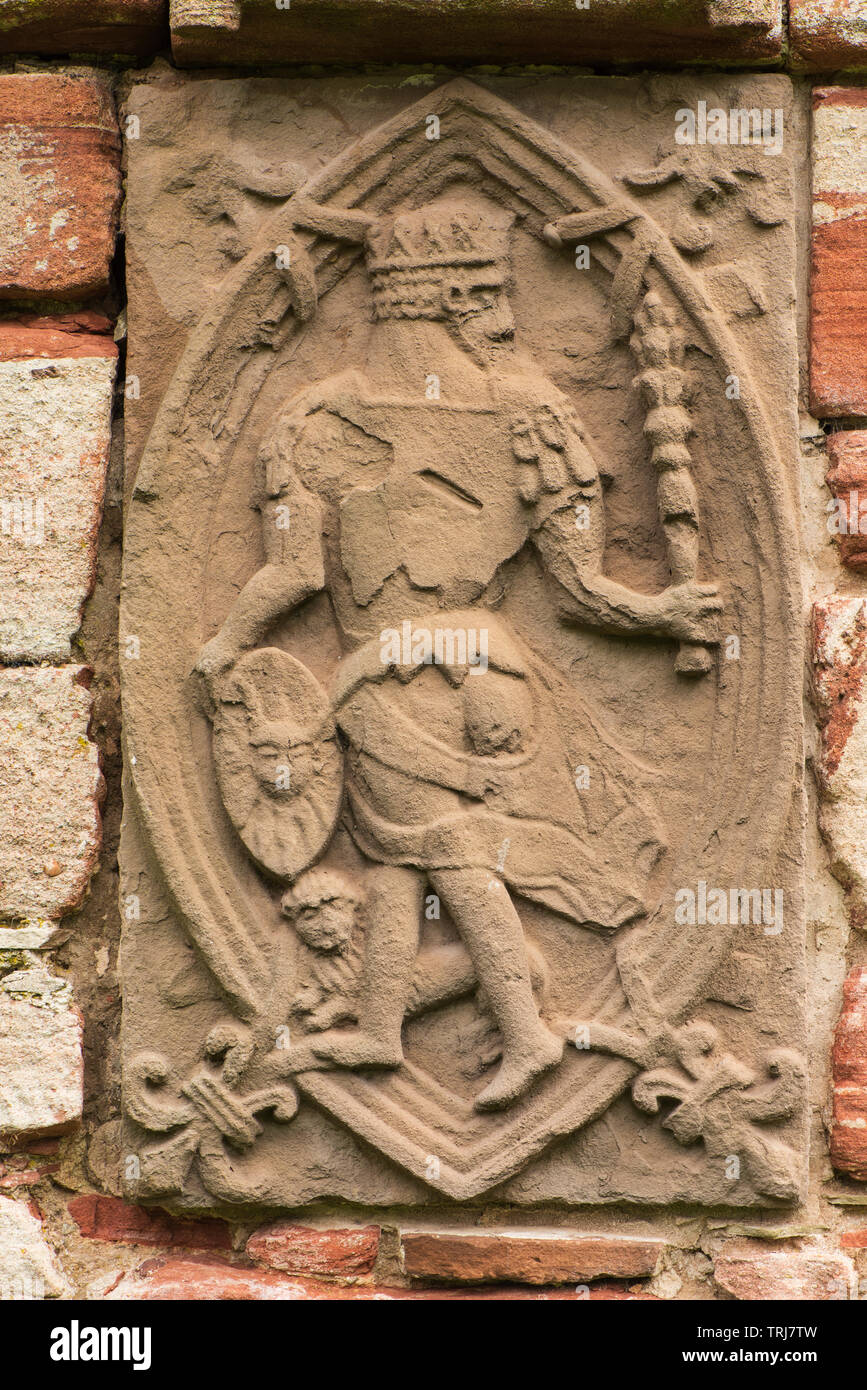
[199, 1115]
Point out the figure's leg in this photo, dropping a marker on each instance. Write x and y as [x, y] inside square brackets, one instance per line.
[391, 945]
[441, 975]
[494, 936]
[445, 973]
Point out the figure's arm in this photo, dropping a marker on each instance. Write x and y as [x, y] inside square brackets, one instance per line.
[572, 555]
[271, 593]
[294, 567]
[559, 477]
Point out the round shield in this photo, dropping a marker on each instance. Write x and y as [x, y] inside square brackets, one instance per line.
[279, 766]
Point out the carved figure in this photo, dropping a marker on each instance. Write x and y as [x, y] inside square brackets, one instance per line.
[422, 808]
[408, 511]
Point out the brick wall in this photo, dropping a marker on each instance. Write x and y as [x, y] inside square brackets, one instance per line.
[64, 1229]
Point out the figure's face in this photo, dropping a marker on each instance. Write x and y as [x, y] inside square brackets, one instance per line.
[326, 926]
[282, 762]
[477, 311]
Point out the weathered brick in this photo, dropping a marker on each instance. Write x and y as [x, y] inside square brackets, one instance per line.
[838, 298]
[526, 1257]
[128, 27]
[839, 650]
[49, 1145]
[348, 1250]
[29, 1177]
[56, 389]
[847, 479]
[826, 35]
[83, 333]
[50, 790]
[848, 1140]
[193, 1280]
[60, 172]
[750, 1271]
[555, 31]
[110, 1219]
[41, 1067]
[27, 1266]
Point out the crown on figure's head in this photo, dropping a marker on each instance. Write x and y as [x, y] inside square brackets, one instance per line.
[446, 234]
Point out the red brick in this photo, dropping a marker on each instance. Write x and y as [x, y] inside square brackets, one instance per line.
[826, 35]
[526, 1258]
[109, 1219]
[838, 296]
[853, 1240]
[752, 1272]
[10, 1181]
[839, 642]
[187, 1280]
[304, 1250]
[839, 650]
[34, 1146]
[60, 170]
[847, 479]
[848, 1144]
[134, 27]
[490, 31]
[84, 334]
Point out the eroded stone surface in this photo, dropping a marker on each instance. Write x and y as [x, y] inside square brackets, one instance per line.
[50, 790]
[454, 838]
[84, 26]
[60, 169]
[750, 1271]
[827, 35]
[28, 1268]
[554, 31]
[41, 1067]
[35, 936]
[56, 389]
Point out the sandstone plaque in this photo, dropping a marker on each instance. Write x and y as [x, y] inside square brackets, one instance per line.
[461, 641]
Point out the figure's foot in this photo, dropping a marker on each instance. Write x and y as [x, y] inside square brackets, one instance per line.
[520, 1067]
[356, 1048]
[328, 1016]
[284, 1062]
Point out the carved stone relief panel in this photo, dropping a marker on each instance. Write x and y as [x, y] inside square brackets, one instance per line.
[462, 643]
